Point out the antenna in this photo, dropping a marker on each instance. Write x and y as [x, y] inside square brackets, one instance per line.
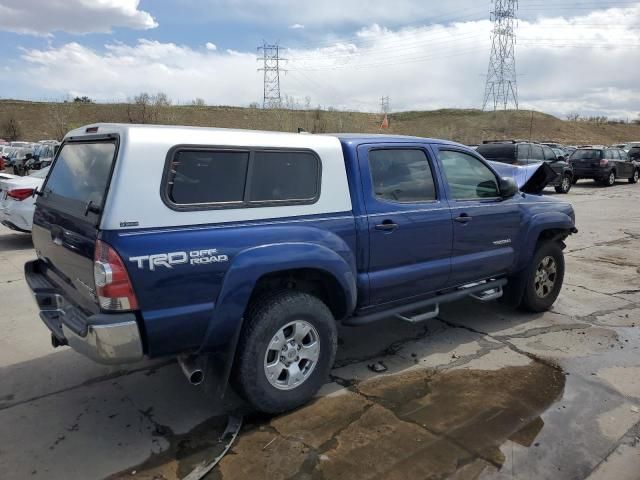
[501, 88]
[271, 67]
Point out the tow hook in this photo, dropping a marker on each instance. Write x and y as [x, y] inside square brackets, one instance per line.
[193, 368]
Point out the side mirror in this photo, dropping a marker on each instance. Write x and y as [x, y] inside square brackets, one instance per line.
[508, 187]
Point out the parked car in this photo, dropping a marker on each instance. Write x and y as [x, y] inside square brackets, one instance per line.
[604, 165]
[634, 154]
[525, 153]
[43, 155]
[242, 250]
[17, 201]
[625, 146]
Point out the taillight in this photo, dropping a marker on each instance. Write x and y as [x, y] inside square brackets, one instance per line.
[113, 285]
[604, 163]
[20, 194]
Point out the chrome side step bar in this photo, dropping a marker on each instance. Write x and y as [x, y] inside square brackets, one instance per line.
[422, 317]
[484, 291]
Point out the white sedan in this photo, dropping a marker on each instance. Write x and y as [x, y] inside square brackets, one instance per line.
[17, 201]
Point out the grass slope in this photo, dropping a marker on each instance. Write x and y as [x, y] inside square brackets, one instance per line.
[50, 120]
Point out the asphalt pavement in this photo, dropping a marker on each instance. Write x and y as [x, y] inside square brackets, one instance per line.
[482, 391]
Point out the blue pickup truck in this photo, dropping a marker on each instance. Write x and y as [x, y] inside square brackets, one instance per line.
[239, 251]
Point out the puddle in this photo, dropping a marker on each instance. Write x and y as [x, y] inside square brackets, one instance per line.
[418, 424]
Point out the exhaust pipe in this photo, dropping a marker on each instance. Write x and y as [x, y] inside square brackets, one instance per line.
[192, 368]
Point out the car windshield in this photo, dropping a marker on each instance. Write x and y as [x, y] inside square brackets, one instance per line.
[586, 154]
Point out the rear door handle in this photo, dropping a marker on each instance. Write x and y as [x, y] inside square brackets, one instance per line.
[387, 226]
[463, 218]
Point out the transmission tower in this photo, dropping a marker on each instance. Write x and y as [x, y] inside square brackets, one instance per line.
[501, 88]
[384, 105]
[271, 67]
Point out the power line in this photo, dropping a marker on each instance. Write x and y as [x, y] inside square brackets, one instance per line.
[271, 67]
[501, 87]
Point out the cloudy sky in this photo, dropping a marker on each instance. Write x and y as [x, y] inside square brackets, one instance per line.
[572, 56]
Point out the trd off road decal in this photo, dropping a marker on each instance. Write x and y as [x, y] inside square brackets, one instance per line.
[169, 260]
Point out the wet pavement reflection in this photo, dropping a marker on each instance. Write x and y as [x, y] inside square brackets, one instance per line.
[418, 424]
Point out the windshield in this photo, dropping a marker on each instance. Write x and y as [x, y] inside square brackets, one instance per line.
[586, 155]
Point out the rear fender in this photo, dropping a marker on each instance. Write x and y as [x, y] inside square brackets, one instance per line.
[247, 268]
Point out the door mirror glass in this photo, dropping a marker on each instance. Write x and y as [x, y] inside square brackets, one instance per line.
[508, 187]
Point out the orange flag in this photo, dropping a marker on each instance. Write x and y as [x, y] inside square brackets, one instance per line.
[385, 122]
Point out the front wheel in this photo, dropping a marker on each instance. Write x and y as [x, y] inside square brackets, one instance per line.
[286, 351]
[565, 185]
[545, 277]
[634, 178]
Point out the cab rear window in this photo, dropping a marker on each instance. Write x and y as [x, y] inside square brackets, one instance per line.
[80, 175]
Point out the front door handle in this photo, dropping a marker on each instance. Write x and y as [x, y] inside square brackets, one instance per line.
[387, 226]
[464, 218]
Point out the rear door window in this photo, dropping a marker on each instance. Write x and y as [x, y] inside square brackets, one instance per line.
[401, 175]
[524, 152]
[80, 176]
[549, 154]
[536, 153]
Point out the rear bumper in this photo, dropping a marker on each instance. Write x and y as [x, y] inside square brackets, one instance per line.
[590, 172]
[104, 338]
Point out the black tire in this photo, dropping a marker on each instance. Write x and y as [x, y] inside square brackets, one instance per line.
[565, 184]
[532, 300]
[610, 179]
[266, 318]
[635, 177]
[575, 179]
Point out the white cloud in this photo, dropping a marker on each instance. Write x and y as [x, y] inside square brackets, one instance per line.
[438, 66]
[211, 46]
[37, 17]
[125, 70]
[296, 26]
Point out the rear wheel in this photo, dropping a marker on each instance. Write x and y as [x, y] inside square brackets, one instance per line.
[286, 351]
[635, 177]
[545, 277]
[610, 179]
[565, 184]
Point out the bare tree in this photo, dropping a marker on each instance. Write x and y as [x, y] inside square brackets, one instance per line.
[573, 117]
[146, 108]
[198, 102]
[59, 119]
[11, 129]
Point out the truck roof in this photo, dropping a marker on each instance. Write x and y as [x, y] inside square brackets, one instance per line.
[361, 138]
[347, 138]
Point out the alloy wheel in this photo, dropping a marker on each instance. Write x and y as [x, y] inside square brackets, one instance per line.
[292, 355]
[545, 278]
